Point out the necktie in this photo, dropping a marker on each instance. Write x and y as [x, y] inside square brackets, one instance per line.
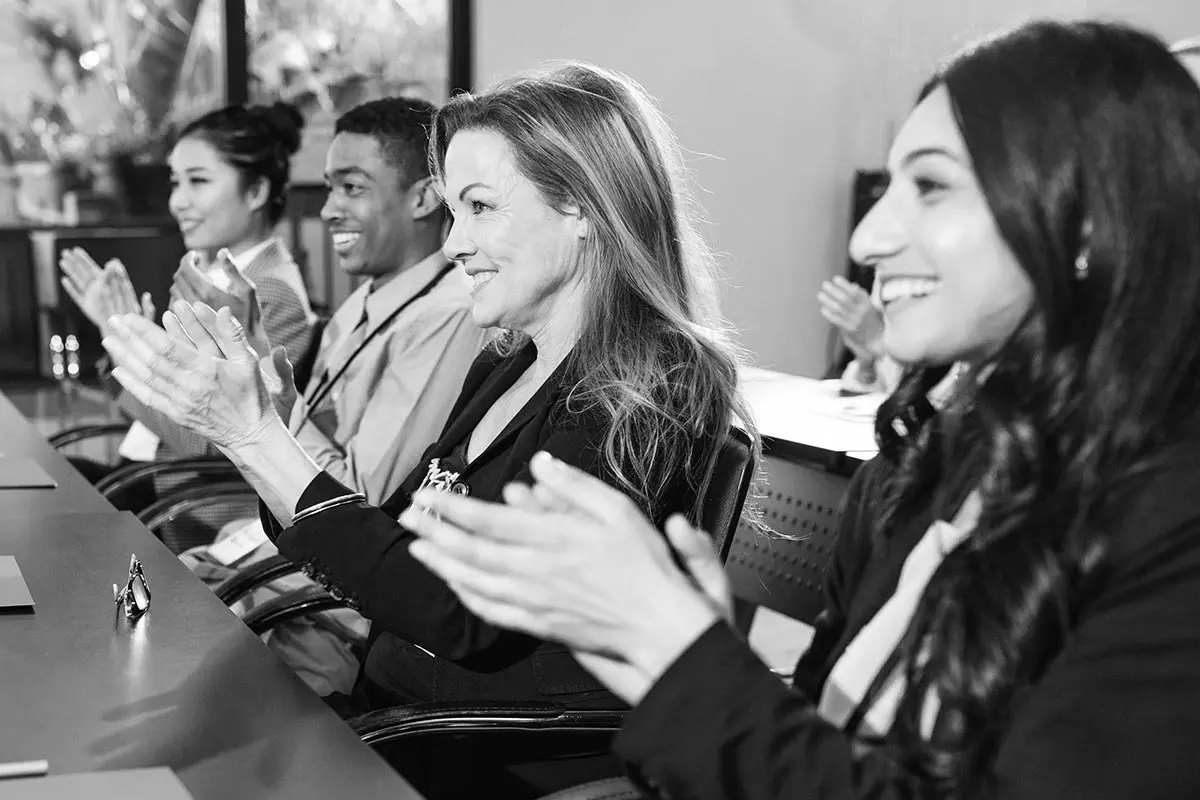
[353, 340]
[341, 351]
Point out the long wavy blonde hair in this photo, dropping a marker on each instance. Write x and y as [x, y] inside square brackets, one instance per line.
[654, 355]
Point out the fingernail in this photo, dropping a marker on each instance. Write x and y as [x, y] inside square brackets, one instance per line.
[546, 460]
[419, 550]
[115, 321]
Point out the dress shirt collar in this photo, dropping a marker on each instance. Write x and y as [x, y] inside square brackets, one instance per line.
[382, 301]
[246, 257]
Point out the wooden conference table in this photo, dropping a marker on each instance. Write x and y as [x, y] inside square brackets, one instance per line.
[187, 686]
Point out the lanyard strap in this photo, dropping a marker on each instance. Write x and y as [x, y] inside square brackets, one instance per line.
[326, 383]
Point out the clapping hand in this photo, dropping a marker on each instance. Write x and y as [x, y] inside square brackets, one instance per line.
[221, 285]
[574, 560]
[848, 306]
[101, 293]
[200, 372]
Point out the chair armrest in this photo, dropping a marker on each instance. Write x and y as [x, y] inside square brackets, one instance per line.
[122, 478]
[78, 434]
[249, 578]
[163, 511]
[390, 724]
[296, 603]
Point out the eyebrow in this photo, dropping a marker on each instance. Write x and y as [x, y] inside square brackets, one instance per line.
[462, 193]
[345, 171]
[923, 152]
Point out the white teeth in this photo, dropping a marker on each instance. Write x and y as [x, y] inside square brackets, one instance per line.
[900, 288]
[481, 278]
[344, 239]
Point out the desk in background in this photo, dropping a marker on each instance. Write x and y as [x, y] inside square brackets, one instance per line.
[187, 686]
[804, 420]
[813, 441]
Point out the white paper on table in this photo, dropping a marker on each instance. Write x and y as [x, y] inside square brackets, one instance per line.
[813, 413]
[139, 444]
[240, 544]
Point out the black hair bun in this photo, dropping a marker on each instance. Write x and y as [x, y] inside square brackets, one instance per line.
[287, 123]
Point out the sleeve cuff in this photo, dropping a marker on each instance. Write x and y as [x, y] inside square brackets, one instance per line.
[693, 707]
[322, 488]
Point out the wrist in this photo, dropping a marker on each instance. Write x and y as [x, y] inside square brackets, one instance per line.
[672, 626]
[268, 436]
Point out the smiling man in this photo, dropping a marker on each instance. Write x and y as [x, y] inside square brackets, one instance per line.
[391, 361]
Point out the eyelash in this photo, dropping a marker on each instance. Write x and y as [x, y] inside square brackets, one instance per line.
[349, 189]
[926, 186]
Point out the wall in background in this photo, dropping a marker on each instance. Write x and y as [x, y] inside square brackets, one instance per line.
[778, 102]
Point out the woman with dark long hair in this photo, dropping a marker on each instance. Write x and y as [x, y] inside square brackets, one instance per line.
[1014, 605]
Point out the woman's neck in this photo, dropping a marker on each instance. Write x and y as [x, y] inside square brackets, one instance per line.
[557, 334]
[246, 244]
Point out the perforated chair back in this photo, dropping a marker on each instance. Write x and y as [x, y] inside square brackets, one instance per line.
[730, 482]
[786, 572]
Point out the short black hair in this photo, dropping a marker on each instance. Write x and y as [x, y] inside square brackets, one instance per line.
[401, 126]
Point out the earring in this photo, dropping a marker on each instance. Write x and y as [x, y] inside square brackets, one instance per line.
[1081, 265]
[1085, 250]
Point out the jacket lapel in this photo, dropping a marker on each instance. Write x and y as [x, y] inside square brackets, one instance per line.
[268, 259]
[479, 398]
[545, 397]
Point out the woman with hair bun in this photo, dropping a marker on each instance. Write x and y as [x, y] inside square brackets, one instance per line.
[229, 176]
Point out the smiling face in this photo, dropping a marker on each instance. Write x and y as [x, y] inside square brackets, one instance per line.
[367, 208]
[950, 286]
[208, 200]
[520, 252]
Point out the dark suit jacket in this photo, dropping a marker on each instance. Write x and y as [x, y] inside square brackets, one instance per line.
[1114, 716]
[425, 645]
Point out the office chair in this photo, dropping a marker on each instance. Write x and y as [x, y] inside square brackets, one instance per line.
[589, 731]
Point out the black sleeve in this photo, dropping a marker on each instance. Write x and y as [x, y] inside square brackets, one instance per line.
[850, 552]
[1113, 717]
[360, 554]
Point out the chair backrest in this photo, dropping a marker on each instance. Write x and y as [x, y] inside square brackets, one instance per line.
[194, 515]
[727, 489]
[785, 571]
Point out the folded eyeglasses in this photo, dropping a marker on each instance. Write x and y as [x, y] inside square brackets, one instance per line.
[136, 594]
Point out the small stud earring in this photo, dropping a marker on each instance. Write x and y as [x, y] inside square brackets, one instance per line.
[1081, 265]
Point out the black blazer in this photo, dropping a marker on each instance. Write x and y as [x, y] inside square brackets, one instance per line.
[425, 645]
[1114, 715]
